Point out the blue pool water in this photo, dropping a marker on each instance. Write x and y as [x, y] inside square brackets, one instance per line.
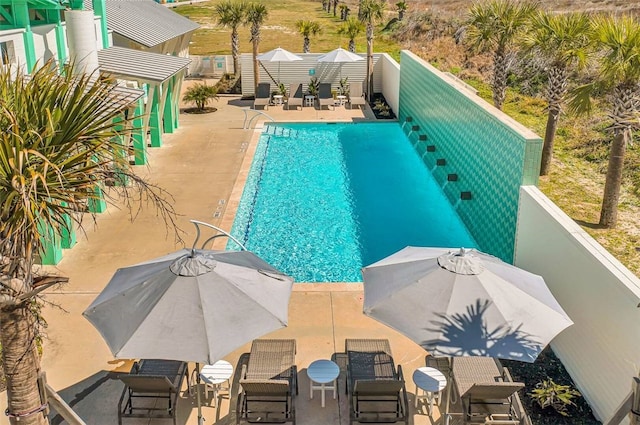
[323, 200]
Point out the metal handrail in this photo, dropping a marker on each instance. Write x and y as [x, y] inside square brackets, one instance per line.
[221, 234]
[246, 116]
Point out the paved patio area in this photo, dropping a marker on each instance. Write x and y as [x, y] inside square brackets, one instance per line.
[199, 165]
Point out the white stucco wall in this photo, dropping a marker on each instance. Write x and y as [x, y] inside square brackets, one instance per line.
[390, 76]
[601, 350]
[44, 41]
[16, 36]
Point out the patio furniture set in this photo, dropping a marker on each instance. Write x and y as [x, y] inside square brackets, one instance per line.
[268, 385]
[297, 97]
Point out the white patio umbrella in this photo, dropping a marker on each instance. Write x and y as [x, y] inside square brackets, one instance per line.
[192, 305]
[278, 55]
[463, 303]
[340, 56]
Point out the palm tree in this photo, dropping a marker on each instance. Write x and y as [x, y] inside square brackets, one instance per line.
[371, 11]
[563, 40]
[60, 143]
[402, 7]
[335, 6]
[256, 14]
[200, 94]
[231, 14]
[344, 12]
[495, 26]
[618, 38]
[351, 28]
[307, 29]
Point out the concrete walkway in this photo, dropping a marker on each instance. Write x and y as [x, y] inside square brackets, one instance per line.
[199, 165]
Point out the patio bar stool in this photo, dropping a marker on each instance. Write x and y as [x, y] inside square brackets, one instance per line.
[215, 376]
[325, 373]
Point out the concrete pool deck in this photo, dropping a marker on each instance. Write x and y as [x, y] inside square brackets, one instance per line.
[199, 165]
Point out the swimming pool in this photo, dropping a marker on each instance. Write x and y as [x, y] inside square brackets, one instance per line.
[322, 200]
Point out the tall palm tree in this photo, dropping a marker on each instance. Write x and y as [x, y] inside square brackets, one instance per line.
[564, 41]
[231, 14]
[59, 144]
[256, 14]
[618, 39]
[495, 26]
[351, 29]
[335, 6]
[344, 12]
[370, 12]
[307, 29]
[401, 6]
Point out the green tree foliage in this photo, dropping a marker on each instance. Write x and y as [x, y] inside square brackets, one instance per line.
[60, 143]
[200, 94]
[231, 14]
[495, 26]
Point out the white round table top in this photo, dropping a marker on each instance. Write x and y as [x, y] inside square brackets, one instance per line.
[323, 371]
[217, 373]
[429, 379]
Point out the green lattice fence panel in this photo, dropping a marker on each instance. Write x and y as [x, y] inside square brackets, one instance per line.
[491, 154]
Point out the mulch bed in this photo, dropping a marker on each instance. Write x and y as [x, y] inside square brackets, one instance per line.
[547, 365]
[206, 110]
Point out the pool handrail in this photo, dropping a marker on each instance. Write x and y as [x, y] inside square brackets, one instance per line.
[246, 111]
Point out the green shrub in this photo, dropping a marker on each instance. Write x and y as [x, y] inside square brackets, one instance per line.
[200, 94]
[549, 394]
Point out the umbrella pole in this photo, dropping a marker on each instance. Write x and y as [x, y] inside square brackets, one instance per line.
[449, 385]
[200, 418]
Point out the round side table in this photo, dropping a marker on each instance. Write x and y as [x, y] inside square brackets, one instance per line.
[214, 376]
[325, 373]
[431, 381]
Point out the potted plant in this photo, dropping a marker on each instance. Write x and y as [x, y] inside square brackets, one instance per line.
[282, 89]
[344, 87]
[314, 85]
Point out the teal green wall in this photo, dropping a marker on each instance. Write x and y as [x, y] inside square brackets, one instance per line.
[491, 157]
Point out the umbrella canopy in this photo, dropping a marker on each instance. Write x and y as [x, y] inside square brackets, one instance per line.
[191, 305]
[278, 55]
[463, 303]
[340, 56]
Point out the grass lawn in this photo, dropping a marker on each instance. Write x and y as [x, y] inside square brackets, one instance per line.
[279, 30]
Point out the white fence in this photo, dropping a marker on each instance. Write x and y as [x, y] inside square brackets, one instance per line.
[601, 350]
[389, 70]
[210, 66]
[302, 72]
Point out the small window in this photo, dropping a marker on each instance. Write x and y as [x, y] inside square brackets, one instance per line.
[7, 52]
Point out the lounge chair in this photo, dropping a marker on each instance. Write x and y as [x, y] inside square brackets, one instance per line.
[376, 388]
[263, 96]
[355, 96]
[325, 97]
[149, 381]
[296, 96]
[269, 383]
[491, 401]
[487, 391]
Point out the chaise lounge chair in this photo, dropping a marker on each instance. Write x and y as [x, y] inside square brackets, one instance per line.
[376, 388]
[488, 394]
[263, 96]
[325, 97]
[296, 96]
[355, 96]
[148, 382]
[269, 383]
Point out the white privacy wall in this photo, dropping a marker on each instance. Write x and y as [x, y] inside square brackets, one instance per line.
[44, 41]
[298, 72]
[390, 75]
[601, 350]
